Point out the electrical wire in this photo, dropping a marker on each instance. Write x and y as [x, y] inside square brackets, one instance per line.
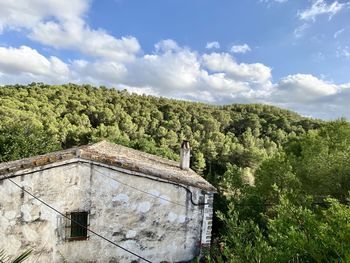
[154, 179]
[96, 164]
[35, 171]
[140, 190]
[79, 224]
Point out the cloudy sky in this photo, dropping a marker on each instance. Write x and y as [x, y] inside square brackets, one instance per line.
[290, 53]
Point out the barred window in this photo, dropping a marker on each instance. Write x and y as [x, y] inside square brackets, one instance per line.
[76, 227]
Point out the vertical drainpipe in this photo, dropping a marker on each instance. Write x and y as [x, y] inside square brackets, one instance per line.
[207, 224]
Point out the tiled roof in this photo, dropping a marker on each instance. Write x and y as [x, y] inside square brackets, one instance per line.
[115, 155]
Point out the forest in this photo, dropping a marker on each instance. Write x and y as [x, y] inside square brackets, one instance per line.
[283, 180]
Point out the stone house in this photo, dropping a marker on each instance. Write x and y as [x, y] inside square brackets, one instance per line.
[104, 203]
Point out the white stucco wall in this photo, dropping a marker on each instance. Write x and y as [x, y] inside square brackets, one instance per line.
[149, 226]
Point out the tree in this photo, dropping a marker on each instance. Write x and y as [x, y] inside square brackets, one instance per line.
[24, 139]
[198, 162]
[298, 233]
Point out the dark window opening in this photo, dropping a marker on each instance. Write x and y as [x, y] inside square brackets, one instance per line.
[77, 226]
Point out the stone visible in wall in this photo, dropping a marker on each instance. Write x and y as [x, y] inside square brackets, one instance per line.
[145, 224]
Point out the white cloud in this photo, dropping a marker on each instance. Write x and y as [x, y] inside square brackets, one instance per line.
[320, 7]
[173, 71]
[166, 45]
[311, 96]
[109, 72]
[240, 48]
[179, 72]
[338, 33]
[220, 82]
[60, 24]
[300, 30]
[76, 35]
[224, 62]
[169, 70]
[303, 88]
[343, 52]
[27, 13]
[340, 100]
[28, 62]
[346, 52]
[139, 90]
[211, 45]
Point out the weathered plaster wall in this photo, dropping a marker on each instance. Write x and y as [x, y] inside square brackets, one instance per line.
[149, 226]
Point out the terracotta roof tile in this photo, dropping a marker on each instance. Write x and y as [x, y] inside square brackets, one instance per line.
[115, 155]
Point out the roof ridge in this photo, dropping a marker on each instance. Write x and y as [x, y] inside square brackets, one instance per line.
[115, 155]
[146, 154]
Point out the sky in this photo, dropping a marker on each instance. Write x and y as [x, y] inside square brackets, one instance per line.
[293, 54]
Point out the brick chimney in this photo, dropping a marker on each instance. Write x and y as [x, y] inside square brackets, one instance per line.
[185, 155]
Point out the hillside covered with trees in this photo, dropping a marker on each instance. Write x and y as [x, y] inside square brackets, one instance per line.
[283, 179]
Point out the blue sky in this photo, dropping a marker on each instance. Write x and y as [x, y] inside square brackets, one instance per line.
[288, 53]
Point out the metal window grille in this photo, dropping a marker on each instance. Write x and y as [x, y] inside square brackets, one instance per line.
[76, 226]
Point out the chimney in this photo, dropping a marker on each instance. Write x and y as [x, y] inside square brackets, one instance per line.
[185, 155]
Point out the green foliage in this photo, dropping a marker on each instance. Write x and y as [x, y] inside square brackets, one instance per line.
[313, 164]
[266, 162]
[24, 139]
[287, 215]
[320, 160]
[40, 118]
[198, 162]
[295, 234]
[245, 241]
[306, 234]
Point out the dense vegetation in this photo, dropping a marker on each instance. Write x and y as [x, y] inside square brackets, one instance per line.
[283, 179]
[297, 210]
